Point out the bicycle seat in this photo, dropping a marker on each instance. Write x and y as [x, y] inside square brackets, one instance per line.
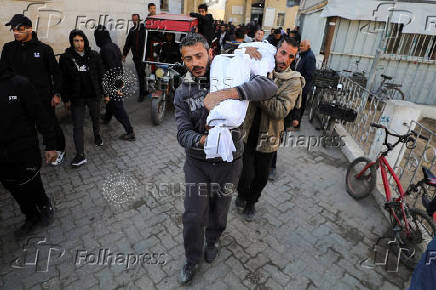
[430, 178]
[386, 77]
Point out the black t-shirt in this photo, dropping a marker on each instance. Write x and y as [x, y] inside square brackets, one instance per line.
[86, 88]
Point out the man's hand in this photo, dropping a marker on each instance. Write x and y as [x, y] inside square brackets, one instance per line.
[67, 106]
[124, 58]
[213, 99]
[106, 99]
[203, 140]
[55, 101]
[295, 123]
[50, 156]
[253, 53]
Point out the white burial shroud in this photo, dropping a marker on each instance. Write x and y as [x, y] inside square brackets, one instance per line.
[228, 71]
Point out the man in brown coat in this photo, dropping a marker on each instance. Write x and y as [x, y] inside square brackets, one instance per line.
[264, 125]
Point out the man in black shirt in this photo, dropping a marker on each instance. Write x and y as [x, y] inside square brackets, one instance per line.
[83, 72]
[205, 23]
[28, 57]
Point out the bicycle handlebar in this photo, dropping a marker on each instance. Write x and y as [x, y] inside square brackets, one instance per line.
[406, 138]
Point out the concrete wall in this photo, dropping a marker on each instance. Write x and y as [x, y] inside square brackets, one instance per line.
[312, 28]
[55, 19]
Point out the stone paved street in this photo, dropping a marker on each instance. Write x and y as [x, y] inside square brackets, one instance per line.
[308, 233]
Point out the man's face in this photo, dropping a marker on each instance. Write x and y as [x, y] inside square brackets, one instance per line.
[202, 11]
[135, 18]
[79, 43]
[258, 36]
[277, 36]
[284, 56]
[304, 46]
[222, 28]
[197, 59]
[152, 10]
[22, 33]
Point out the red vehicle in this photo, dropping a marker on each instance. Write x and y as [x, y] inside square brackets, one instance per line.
[163, 71]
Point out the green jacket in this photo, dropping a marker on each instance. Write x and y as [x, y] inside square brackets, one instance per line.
[274, 110]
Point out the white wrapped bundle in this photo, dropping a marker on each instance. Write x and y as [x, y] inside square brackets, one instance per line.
[228, 72]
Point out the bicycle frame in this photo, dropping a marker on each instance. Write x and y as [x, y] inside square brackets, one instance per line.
[383, 164]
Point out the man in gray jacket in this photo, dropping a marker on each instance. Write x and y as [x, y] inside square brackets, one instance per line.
[209, 182]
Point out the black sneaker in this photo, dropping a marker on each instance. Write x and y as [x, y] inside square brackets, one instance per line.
[28, 227]
[104, 120]
[249, 212]
[210, 252]
[47, 214]
[98, 141]
[188, 272]
[240, 203]
[128, 137]
[79, 160]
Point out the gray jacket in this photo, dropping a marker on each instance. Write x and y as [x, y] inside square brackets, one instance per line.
[191, 114]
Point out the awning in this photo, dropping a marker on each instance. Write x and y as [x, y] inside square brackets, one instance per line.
[419, 18]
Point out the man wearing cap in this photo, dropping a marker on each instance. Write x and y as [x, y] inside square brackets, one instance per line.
[28, 57]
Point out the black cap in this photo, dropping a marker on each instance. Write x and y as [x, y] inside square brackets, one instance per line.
[277, 31]
[19, 20]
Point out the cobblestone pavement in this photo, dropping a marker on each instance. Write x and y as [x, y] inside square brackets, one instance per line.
[308, 233]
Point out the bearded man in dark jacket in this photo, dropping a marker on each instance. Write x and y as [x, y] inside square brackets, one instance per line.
[20, 158]
[82, 71]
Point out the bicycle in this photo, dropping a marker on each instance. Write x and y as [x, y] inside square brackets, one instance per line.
[386, 91]
[410, 226]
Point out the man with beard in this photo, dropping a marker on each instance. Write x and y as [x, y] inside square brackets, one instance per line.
[263, 127]
[30, 58]
[209, 182]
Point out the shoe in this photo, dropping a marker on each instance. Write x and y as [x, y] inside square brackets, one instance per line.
[79, 160]
[28, 226]
[60, 159]
[272, 174]
[47, 214]
[210, 252]
[249, 212]
[128, 137]
[240, 203]
[105, 121]
[188, 272]
[98, 141]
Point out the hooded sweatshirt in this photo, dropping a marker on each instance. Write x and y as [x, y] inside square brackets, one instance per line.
[20, 110]
[35, 61]
[83, 73]
[110, 52]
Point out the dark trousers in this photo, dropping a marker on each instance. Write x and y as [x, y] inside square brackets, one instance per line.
[60, 137]
[254, 175]
[140, 71]
[209, 188]
[274, 160]
[78, 108]
[116, 109]
[25, 184]
[303, 107]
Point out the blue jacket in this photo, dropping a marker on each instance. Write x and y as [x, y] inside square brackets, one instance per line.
[307, 66]
[424, 276]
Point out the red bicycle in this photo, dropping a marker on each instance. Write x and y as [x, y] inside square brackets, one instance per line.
[412, 228]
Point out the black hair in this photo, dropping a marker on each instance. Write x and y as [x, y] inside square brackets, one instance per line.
[239, 33]
[77, 32]
[192, 39]
[150, 5]
[288, 40]
[101, 36]
[202, 6]
[136, 14]
[277, 31]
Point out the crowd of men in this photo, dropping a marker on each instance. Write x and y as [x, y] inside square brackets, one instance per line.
[33, 83]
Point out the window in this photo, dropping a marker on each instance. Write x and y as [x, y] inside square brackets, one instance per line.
[281, 19]
[292, 3]
[164, 5]
[419, 45]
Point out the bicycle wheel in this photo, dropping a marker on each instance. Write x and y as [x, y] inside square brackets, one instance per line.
[362, 186]
[313, 106]
[422, 231]
[395, 94]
